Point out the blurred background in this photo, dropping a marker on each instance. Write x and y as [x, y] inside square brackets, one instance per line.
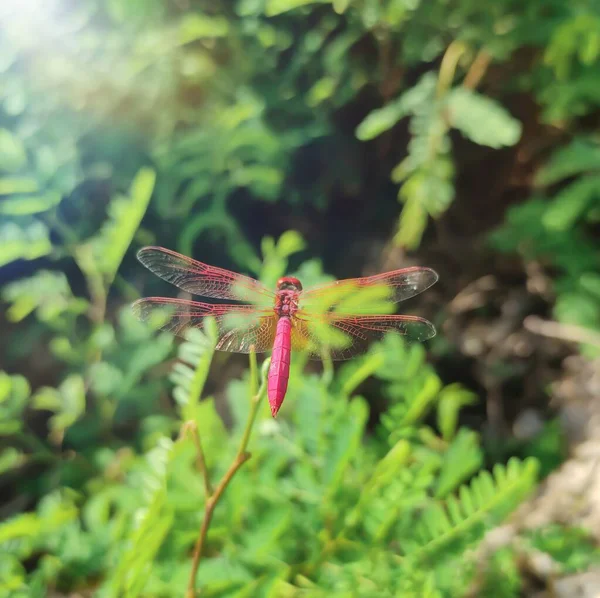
[325, 139]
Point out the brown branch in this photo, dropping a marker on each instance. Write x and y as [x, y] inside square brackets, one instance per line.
[211, 503]
[191, 428]
[240, 458]
[477, 70]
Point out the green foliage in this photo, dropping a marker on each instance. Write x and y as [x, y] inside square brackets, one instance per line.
[133, 523]
[572, 549]
[555, 230]
[126, 123]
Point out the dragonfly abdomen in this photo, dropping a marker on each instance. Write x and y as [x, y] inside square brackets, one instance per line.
[279, 371]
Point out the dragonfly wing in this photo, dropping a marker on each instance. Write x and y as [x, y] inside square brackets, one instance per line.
[348, 336]
[201, 279]
[397, 285]
[241, 328]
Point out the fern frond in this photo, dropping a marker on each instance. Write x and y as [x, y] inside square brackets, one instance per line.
[190, 373]
[480, 505]
[125, 216]
[151, 525]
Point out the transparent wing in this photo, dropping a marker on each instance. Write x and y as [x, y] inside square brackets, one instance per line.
[350, 293]
[201, 279]
[240, 327]
[348, 336]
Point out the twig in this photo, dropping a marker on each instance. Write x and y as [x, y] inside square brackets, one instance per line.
[453, 54]
[240, 458]
[192, 428]
[565, 332]
[477, 70]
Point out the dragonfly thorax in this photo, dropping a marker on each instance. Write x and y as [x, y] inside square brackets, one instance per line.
[286, 303]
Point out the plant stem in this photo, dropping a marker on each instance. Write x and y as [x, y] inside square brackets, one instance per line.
[192, 428]
[241, 456]
[448, 66]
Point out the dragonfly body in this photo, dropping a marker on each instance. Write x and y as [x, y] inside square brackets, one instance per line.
[279, 370]
[286, 306]
[285, 319]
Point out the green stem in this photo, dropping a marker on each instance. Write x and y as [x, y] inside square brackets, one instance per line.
[240, 458]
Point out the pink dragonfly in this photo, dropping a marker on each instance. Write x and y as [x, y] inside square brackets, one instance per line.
[325, 319]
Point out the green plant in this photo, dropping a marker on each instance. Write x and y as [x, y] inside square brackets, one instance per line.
[312, 469]
[201, 125]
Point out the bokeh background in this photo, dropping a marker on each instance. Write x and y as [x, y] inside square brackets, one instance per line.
[325, 139]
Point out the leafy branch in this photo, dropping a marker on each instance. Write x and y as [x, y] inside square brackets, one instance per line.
[241, 456]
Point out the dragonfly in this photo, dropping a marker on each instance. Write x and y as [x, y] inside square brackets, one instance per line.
[327, 319]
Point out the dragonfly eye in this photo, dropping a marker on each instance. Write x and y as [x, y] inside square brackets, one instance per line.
[289, 283]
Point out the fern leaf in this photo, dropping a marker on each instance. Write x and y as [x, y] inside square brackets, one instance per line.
[383, 119]
[29, 243]
[125, 216]
[481, 119]
[462, 459]
[578, 157]
[483, 503]
[190, 374]
[151, 525]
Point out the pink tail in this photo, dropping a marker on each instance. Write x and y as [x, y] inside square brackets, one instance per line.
[279, 371]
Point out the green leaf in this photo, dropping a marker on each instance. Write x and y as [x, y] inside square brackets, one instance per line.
[322, 90]
[276, 7]
[481, 119]
[451, 400]
[67, 402]
[125, 216]
[10, 458]
[380, 120]
[196, 26]
[463, 458]
[28, 243]
[345, 444]
[151, 524]
[12, 152]
[29, 204]
[12, 185]
[571, 203]
[578, 157]
[480, 506]
[190, 374]
[413, 221]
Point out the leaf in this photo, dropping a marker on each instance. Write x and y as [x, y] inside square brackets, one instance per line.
[48, 292]
[345, 444]
[463, 458]
[412, 224]
[151, 524]
[481, 119]
[12, 185]
[125, 216]
[264, 181]
[276, 7]
[12, 152]
[481, 505]
[580, 156]
[322, 90]
[67, 402]
[10, 458]
[30, 204]
[380, 120]
[422, 400]
[570, 204]
[196, 26]
[190, 374]
[28, 243]
[576, 37]
[451, 400]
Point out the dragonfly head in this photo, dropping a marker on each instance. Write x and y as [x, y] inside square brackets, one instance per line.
[289, 283]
